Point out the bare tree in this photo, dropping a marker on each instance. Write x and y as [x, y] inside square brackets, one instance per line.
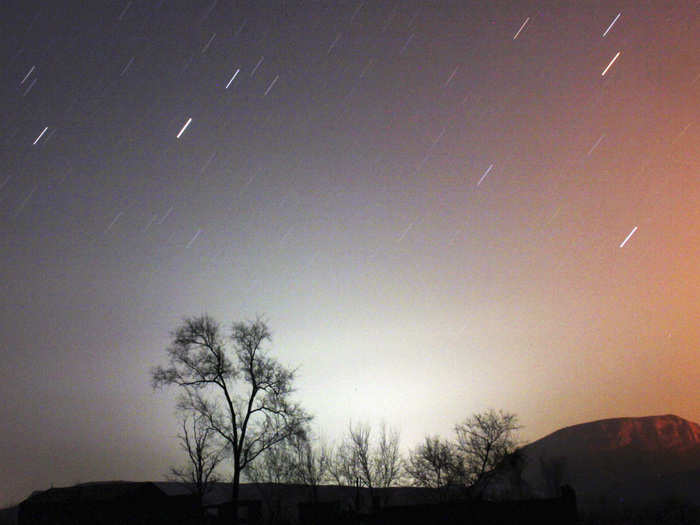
[360, 451]
[311, 464]
[361, 462]
[508, 476]
[197, 439]
[242, 392]
[297, 461]
[435, 464]
[483, 440]
[271, 473]
[344, 468]
[275, 465]
[387, 460]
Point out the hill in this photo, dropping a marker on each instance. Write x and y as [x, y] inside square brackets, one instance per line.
[619, 461]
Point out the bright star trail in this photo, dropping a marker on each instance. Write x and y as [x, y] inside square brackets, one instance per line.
[611, 24]
[484, 175]
[521, 28]
[610, 64]
[435, 205]
[184, 127]
[40, 135]
[628, 237]
[233, 78]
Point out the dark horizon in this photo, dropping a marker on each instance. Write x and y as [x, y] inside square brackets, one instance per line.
[437, 209]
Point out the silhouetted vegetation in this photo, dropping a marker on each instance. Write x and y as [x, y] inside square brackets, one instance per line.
[204, 455]
[241, 392]
[435, 464]
[483, 441]
[310, 465]
[361, 461]
[297, 461]
[465, 467]
[235, 405]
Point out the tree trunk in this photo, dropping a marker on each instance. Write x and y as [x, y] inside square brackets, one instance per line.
[374, 506]
[200, 507]
[314, 494]
[235, 490]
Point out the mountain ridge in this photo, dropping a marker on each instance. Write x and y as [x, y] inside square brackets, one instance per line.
[663, 431]
[617, 459]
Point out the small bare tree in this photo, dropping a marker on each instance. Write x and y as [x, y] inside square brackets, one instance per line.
[242, 392]
[297, 461]
[388, 457]
[197, 439]
[435, 464]
[344, 468]
[275, 465]
[311, 464]
[360, 462]
[271, 473]
[483, 440]
[358, 444]
[387, 461]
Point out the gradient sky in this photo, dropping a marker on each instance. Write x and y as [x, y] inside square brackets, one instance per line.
[427, 209]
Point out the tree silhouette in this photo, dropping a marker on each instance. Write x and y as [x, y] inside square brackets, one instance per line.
[272, 473]
[197, 439]
[483, 440]
[388, 457]
[435, 464]
[238, 389]
[360, 461]
[310, 464]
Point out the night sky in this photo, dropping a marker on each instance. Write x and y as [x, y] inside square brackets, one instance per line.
[438, 207]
